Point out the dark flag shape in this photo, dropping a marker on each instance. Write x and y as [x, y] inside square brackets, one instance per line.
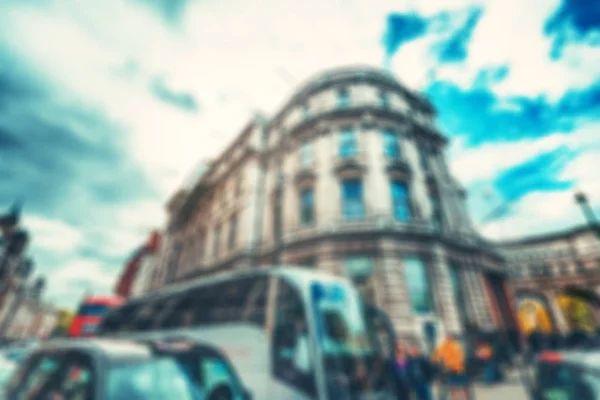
[12, 217]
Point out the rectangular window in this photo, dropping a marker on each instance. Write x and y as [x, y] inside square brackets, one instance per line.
[423, 158]
[343, 96]
[383, 99]
[391, 149]
[306, 110]
[436, 212]
[400, 201]
[457, 291]
[307, 205]
[348, 146]
[352, 199]
[417, 281]
[216, 241]
[359, 269]
[232, 232]
[306, 154]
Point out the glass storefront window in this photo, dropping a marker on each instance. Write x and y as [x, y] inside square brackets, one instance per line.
[417, 281]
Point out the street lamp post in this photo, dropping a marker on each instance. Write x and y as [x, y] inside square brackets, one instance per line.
[588, 212]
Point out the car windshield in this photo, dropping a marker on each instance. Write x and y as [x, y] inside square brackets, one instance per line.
[154, 379]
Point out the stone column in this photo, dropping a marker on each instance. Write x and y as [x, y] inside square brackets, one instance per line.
[446, 305]
[480, 305]
[556, 313]
[394, 292]
[328, 261]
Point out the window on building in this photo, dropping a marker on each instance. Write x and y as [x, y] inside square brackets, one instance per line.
[352, 199]
[307, 207]
[423, 158]
[384, 101]
[217, 241]
[306, 154]
[306, 110]
[343, 96]
[417, 281]
[436, 212]
[400, 200]
[348, 146]
[457, 290]
[232, 232]
[563, 269]
[359, 269]
[391, 149]
[309, 262]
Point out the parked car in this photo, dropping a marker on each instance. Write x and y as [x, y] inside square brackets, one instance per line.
[567, 375]
[103, 369]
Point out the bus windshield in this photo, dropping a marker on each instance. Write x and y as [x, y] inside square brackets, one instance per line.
[93, 310]
[353, 368]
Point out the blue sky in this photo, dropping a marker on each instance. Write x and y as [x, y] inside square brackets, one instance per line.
[105, 109]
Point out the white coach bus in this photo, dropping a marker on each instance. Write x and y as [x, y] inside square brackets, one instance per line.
[290, 333]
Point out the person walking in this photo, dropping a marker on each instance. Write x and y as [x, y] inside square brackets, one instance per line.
[485, 355]
[451, 358]
[401, 371]
[420, 373]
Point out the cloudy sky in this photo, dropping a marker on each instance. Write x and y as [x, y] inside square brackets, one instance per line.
[106, 106]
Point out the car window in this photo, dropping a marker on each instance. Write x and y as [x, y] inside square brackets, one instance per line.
[33, 376]
[76, 379]
[556, 381]
[152, 379]
[217, 376]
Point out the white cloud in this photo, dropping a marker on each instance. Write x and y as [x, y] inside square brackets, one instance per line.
[78, 277]
[537, 212]
[511, 32]
[475, 164]
[52, 235]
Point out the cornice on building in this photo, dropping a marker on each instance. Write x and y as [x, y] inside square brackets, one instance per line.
[548, 237]
[335, 76]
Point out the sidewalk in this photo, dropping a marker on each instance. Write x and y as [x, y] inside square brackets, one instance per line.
[511, 389]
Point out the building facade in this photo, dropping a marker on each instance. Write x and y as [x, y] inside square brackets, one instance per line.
[30, 318]
[137, 274]
[557, 278]
[350, 178]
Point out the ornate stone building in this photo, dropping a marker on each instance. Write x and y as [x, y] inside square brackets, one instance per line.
[349, 177]
[549, 269]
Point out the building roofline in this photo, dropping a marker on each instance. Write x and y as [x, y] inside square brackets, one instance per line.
[346, 73]
[549, 236]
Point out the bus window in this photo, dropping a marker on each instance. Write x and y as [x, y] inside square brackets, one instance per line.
[144, 318]
[93, 310]
[238, 301]
[181, 314]
[291, 354]
[118, 320]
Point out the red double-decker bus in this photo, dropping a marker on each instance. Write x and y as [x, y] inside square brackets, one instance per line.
[90, 314]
